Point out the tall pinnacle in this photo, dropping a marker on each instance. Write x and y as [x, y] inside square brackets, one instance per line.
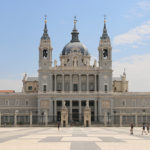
[104, 35]
[45, 35]
[75, 32]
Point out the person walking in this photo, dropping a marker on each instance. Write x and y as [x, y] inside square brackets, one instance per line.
[143, 129]
[131, 130]
[147, 128]
[58, 125]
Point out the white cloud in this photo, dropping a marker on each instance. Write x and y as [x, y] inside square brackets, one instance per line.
[134, 46]
[7, 84]
[93, 58]
[116, 50]
[141, 8]
[135, 35]
[138, 71]
[145, 5]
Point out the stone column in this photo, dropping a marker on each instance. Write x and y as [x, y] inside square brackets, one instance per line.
[99, 88]
[51, 83]
[99, 111]
[80, 111]
[63, 82]
[15, 119]
[70, 110]
[120, 120]
[31, 119]
[55, 110]
[70, 82]
[51, 110]
[0, 119]
[105, 119]
[95, 84]
[55, 82]
[79, 82]
[136, 120]
[95, 110]
[87, 83]
[46, 118]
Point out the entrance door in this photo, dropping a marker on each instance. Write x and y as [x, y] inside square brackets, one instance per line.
[75, 115]
[87, 123]
[64, 123]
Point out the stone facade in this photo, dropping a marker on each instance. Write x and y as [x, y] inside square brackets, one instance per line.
[76, 83]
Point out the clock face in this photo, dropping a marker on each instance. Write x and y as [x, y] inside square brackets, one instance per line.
[105, 53]
[45, 53]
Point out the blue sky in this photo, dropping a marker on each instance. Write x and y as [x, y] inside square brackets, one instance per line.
[22, 22]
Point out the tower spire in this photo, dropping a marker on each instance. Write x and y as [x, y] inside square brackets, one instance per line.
[75, 22]
[45, 35]
[124, 73]
[75, 32]
[105, 34]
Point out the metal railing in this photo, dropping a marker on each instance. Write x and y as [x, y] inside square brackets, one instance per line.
[78, 120]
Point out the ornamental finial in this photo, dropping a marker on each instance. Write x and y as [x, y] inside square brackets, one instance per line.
[104, 18]
[45, 19]
[124, 73]
[75, 21]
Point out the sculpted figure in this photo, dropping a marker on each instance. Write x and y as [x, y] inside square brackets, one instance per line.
[95, 63]
[55, 63]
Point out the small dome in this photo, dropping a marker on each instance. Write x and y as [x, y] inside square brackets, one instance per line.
[75, 47]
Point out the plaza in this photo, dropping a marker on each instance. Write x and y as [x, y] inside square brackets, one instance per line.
[73, 138]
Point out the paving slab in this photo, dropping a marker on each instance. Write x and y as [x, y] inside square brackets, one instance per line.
[73, 138]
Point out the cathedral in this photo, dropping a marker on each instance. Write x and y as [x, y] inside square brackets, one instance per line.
[75, 92]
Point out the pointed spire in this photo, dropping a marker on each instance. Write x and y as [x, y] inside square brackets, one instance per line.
[75, 32]
[124, 73]
[104, 35]
[45, 34]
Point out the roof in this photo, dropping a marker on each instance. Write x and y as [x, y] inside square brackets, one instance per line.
[32, 79]
[7, 91]
[75, 47]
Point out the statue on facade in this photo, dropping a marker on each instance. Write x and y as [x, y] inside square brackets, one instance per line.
[75, 62]
[24, 77]
[62, 62]
[55, 63]
[95, 63]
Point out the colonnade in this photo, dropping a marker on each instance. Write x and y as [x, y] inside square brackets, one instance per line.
[71, 82]
[79, 107]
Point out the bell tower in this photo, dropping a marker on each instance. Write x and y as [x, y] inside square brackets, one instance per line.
[45, 50]
[45, 60]
[105, 61]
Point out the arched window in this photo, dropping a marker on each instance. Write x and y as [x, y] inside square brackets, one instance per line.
[45, 53]
[27, 102]
[44, 88]
[105, 87]
[6, 102]
[105, 53]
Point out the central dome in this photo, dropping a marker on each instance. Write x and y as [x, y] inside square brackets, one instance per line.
[75, 47]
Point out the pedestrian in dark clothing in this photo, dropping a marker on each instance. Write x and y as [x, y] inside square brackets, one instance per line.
[58, 125]
[148, 128]
[143, 129]
[131, 130]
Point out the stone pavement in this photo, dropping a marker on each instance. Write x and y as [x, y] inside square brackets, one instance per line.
[75, 138]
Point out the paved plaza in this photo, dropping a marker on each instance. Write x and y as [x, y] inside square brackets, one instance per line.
[75, 138]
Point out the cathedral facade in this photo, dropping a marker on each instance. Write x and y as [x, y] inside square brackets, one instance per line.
[75, 89]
